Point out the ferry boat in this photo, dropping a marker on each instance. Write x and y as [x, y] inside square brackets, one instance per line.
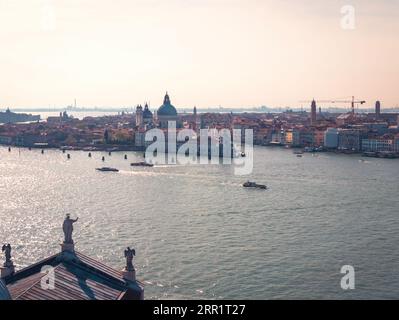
[250, 184]
[141, 164]
[106, 169]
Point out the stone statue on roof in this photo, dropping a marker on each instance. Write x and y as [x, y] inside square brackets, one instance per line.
[7, 252]
[67, 227]
[129, 254]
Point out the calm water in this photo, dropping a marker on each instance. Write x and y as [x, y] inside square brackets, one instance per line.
[199, 234]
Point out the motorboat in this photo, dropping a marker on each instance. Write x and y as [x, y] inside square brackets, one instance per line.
[106, 169]
[250, 184]
[141, 164]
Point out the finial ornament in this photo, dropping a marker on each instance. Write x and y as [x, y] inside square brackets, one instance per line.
[7, 252]
[67, 227]
[129, 254]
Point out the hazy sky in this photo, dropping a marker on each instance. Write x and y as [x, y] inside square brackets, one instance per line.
[204, 52]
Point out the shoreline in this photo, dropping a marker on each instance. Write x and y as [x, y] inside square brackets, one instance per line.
[116, 148]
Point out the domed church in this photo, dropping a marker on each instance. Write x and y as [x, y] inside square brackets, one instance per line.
[147, 114]
[167, 112]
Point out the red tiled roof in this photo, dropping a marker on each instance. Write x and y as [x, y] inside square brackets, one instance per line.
[77, 277]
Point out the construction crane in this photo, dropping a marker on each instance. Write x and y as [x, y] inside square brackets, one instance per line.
[353, 102]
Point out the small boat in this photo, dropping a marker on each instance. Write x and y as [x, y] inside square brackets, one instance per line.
[106, 169]
[250, 184]
[299, 155]
[141, 164]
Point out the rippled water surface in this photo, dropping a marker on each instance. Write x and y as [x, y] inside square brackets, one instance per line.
[199, 234]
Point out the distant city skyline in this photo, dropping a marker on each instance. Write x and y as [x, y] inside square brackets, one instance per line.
[205, 53]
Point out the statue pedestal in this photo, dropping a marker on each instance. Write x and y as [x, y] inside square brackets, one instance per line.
[70, 247]
[129, 275]
[6, 271]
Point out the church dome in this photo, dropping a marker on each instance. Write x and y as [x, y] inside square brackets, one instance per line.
[4, 294]
[167, 109]
[147, 114]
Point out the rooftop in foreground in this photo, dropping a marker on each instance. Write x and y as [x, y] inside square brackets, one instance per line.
[69, 275]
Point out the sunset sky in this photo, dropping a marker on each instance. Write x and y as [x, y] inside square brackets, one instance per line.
[204, 52]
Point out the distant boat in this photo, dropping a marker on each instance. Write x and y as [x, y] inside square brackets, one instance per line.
[141, 164]
[299, 155]
[105, 169]
[250, 184]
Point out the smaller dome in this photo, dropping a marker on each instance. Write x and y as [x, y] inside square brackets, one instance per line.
[167, 109]
[147, 114]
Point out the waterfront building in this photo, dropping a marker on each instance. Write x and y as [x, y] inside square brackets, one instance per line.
[299, 137]
[306, 138]
[289, 136]
[277, 138]
[331, 138]
[139, 138]
[377, 145]
[6, 139]
[349, 139]
[319, 137]
[264, 135]
[292, 137]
